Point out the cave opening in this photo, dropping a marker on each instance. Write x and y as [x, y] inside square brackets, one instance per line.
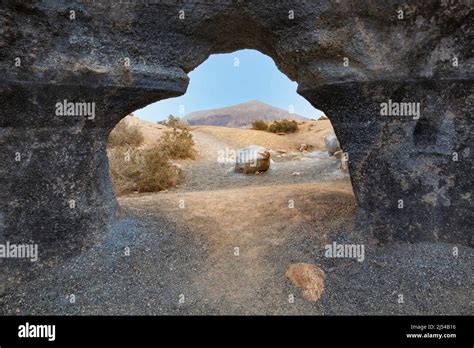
[214, 163]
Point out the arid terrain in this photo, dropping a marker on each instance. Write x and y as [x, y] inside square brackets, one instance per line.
[221, 242]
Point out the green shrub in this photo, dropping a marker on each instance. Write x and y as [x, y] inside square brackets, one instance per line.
[177, 144]
[124, 135]
[260, 125]
[283, 126]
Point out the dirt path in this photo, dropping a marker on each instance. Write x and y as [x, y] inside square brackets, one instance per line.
[252, 234]
[245, 219]
[222, 242]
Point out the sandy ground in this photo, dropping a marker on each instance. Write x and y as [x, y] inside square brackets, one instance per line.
[151, 131]
[310, 133]
[222, 242]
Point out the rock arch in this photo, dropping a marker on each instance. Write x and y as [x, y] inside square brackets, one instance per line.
[55, 184]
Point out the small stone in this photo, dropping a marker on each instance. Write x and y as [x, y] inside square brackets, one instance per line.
[309, 278]
[304, 147]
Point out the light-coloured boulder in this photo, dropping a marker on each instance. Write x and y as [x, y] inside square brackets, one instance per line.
[340, 156]
[332, 143]
[252, 159]
[309, 278]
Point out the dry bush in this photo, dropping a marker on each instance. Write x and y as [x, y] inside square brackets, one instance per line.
[157, 172]
[146, 170]
[141, 170]
[177, 144]
[124, 135]
[323, 117]
[124, 168]
[175, 122]
[283, 126]
[260, 125]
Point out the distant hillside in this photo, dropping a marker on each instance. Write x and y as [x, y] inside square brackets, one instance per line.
[240, 115]
[311, 133]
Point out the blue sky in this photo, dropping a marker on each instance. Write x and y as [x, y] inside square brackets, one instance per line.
[232, 78]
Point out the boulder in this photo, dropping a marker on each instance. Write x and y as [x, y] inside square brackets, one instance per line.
[340, 156]
[309, 278]
[332, 143]
[252, 159]
[305, 147]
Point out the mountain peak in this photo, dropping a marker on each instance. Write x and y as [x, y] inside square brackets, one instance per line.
[240, 115]
[251, 102]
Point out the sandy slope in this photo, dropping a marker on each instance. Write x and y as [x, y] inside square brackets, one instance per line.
[311, 133]
[151, 131]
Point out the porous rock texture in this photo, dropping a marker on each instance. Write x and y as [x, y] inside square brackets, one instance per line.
[79, 52]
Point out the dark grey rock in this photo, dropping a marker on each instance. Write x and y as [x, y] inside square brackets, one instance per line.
[82, 60]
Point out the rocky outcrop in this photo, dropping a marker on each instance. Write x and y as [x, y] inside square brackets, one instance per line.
[252, 159]
[410, 170]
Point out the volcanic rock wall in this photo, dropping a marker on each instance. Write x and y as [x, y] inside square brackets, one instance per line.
[358, 61]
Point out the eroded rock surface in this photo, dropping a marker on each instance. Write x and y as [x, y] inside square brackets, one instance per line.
[346, 58]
